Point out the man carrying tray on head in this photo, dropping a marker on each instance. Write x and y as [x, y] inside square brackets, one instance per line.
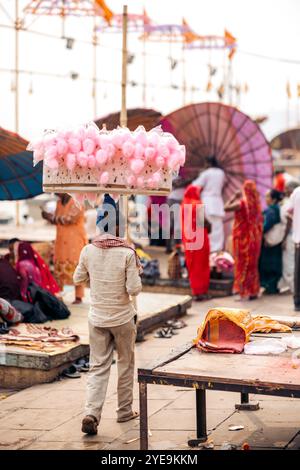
[112, 268]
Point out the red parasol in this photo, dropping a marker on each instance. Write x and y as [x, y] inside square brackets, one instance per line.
[237, 142]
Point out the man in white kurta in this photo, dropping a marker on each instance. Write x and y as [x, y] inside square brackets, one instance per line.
[114, 277]
[212, 182]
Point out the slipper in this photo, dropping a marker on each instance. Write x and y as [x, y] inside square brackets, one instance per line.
[133, 415]
[89, 425]
[176, 324]
[82, 365]
[171, 330]
[163, 333]
[71, 372]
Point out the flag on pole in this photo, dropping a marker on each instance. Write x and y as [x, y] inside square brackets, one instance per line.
[107, 13]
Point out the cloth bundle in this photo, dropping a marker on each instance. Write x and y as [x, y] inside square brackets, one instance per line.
[227, 330]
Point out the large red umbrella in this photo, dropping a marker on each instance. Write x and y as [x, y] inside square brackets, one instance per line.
[237, 142]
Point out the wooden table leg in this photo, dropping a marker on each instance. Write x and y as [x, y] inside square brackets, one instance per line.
[200, 418]
[245, 404]
[143, 416]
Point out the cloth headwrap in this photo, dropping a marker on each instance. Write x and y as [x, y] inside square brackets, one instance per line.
[107, 240]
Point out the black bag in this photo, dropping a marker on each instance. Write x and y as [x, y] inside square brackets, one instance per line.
[31, 313]
[50, 305]
[150, 269]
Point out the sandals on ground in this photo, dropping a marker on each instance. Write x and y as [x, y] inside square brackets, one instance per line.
[165, 333]
[71, 372]
[82, 365]
[176, 324]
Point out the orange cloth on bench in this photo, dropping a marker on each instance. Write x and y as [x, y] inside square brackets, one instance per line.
[226, 330]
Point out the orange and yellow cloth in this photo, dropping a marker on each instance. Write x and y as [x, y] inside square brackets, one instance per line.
[226, 330]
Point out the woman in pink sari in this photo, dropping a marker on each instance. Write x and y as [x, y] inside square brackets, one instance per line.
[32, 268]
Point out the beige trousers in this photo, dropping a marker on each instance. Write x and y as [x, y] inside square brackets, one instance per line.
[102, 341]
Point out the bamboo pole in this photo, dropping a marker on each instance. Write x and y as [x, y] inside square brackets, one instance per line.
[183, 76]
[95, 69]
[17, 72]
[123, 116]
[144, 70]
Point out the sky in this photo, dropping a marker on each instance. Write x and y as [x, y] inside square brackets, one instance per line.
[262, 27]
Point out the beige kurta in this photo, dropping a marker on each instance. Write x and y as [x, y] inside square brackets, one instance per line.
[113, 277]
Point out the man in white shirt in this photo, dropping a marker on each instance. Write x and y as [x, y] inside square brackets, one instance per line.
[295, 212]
[212, 182]
[111, 266]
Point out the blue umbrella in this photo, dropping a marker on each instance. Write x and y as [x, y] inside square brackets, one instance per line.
[18, 178]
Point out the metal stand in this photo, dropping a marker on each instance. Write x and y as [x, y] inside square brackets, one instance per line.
[246, 405]
[200, 419]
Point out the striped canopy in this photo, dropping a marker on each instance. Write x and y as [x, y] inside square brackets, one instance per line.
[18, 178]
[148, 118]
[287, 140]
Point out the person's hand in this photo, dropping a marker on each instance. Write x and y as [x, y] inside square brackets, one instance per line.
[46, 215]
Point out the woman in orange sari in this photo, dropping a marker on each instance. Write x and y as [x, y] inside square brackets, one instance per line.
[70, 239]
[197, 245]
[247, 238]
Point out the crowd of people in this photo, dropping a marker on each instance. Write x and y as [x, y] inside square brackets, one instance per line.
[265, 244]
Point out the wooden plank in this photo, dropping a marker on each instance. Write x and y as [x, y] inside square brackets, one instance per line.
[172, 356]
[265, 371]
[293, 322]
[118, 189]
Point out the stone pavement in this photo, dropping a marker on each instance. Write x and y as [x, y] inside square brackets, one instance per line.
[48, 416]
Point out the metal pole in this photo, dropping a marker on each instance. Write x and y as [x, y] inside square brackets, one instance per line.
[143, 416]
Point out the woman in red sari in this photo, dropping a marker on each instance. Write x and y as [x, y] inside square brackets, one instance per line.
[247, 238]
[197, 256]
[32, 268]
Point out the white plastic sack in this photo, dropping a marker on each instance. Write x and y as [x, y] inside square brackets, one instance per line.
[291, 341]
[265, 346]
